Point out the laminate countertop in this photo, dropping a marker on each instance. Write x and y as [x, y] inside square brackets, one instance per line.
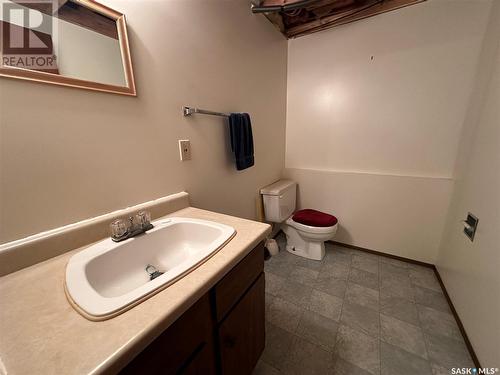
[40, 333]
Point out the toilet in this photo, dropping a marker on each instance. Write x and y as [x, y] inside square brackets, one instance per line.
[306, 230]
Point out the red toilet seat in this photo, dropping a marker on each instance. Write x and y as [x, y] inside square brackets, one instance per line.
[314, 218]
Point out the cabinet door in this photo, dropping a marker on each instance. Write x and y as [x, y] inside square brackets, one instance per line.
[186, 347]
[234, 285]
[242, 332]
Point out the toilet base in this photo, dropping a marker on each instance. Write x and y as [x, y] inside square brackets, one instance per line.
[295, 244]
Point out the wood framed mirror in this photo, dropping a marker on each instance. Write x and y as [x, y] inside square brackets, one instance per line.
[77, 43]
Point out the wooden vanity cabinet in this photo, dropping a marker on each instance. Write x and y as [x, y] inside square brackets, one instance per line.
[186, 347]
[222, 333]
[242, 333]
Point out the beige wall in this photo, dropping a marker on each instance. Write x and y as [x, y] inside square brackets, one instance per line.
[375, 140]
[470, 270]
[69, 154]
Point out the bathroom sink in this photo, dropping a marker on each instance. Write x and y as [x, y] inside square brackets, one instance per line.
[109, 277]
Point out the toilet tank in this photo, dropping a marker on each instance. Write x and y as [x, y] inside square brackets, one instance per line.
[279, 200]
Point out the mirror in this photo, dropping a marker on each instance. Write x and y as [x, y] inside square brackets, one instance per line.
[78, 43]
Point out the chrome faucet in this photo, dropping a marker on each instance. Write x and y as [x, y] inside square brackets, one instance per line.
[122, 229]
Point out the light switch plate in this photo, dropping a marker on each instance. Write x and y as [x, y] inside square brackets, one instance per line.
[185, 149]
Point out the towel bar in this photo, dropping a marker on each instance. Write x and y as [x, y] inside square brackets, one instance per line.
[188, 111]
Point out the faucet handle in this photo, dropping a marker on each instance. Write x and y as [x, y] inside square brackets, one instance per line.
[119, 228]
[144, 218]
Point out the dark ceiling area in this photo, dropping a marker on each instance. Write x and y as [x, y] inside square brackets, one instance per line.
[296, 18]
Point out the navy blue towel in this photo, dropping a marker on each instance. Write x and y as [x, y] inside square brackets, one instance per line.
[240, 128]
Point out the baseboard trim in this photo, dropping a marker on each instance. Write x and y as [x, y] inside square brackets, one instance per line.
[397, 257]
[461, 327]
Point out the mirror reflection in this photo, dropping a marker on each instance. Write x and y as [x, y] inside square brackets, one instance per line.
[64, 38]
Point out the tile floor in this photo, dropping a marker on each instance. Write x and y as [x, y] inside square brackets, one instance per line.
[357, 313]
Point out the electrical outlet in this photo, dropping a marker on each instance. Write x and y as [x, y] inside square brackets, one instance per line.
[185, 149]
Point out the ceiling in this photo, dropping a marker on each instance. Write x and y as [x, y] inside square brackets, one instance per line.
[296, 18]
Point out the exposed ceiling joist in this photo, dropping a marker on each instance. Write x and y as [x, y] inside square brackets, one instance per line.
[295, 18]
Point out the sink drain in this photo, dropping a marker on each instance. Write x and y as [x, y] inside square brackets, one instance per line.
[153, 272]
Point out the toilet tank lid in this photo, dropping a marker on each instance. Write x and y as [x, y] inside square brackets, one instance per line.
[277, 188]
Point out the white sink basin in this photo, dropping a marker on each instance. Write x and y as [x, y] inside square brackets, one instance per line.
[108, 277]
